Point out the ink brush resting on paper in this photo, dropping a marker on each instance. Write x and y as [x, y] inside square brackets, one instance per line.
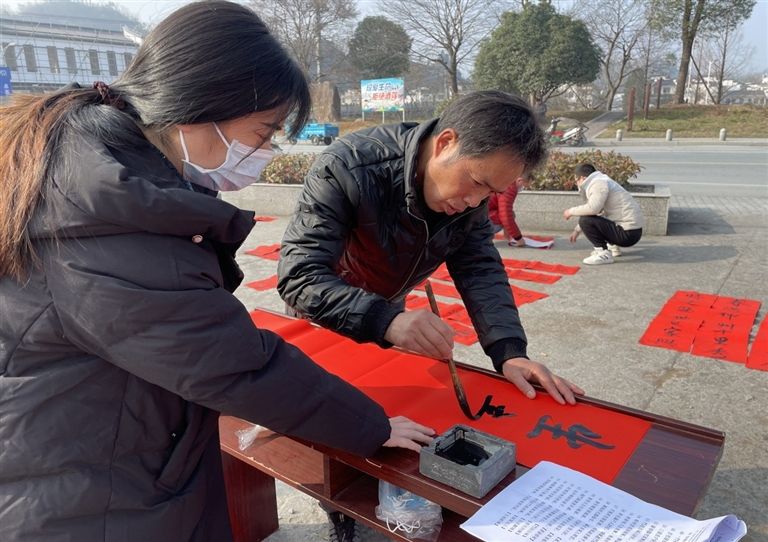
[458, 388]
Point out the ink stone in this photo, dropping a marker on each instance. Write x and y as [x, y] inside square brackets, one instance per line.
[468, 460]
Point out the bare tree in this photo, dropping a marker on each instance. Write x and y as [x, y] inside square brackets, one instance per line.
[446, 31]
[730, 55]
[690, 16]
[302, 25]
[616, 27]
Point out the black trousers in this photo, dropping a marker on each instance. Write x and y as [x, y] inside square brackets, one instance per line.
[600, 231]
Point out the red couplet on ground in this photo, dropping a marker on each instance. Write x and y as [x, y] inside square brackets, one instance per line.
[270, 252]
[704, 325]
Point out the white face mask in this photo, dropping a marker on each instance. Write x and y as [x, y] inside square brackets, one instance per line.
[242, 166]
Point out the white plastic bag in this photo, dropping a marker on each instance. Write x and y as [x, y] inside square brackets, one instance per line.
[407, 513]
[245, 437]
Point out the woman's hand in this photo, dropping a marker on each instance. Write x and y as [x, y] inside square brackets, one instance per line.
[408, 434]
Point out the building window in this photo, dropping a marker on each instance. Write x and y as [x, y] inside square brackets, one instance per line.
[29, 58]
[69, 53]
[53, 59]
[93, 55]
[112, 62]
[128, 57]
[10, 57]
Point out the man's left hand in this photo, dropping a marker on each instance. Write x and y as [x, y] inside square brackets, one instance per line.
[522, 371]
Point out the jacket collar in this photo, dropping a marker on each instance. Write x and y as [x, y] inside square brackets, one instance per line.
[413, 139]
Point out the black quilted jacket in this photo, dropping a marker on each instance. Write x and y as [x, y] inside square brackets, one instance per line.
[359, 242]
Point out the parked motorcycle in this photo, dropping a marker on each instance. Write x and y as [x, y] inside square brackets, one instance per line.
[573, 137]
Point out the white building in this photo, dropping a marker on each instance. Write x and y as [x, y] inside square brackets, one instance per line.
[45, 51]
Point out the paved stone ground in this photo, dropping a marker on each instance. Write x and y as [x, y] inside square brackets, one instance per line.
[588, 330]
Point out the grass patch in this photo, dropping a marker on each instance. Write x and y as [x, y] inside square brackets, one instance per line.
[697, 121]
[585, 115]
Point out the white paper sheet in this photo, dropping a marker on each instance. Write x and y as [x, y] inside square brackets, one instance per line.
[551, 503]
[533, 243]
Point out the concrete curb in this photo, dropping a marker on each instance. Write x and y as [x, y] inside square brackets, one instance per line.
[538, 210]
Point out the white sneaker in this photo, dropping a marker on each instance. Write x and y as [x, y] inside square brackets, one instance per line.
[615, 250]
[599, 256]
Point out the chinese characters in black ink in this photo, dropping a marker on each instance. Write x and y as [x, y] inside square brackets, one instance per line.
[576, 435]
[491, 410]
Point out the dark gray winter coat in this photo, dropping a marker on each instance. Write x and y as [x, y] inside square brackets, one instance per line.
[122, 348]
[359, 242]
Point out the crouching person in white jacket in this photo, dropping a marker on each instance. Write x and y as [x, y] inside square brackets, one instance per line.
[610, 218]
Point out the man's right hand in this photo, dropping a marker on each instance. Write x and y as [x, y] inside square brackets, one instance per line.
[422, 332]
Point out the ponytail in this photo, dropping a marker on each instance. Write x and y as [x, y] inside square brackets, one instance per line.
[32, 130]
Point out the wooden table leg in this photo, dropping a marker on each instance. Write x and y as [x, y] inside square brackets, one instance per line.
[251, 499]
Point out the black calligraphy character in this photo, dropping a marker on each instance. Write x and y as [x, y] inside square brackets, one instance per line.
[721, 340]
[495, 411]
[575, 435]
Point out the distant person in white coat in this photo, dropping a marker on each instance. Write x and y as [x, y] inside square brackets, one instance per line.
[610, 218]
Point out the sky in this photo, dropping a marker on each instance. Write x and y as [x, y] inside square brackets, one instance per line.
[754, 30]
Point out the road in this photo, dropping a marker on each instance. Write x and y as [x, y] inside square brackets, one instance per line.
[707, 170]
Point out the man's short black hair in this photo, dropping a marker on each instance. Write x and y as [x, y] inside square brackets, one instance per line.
[584, 170]
[490, 120]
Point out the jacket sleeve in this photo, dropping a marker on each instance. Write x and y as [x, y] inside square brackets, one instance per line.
[153, 308]
[597, 194]
[479, 275]
[507, 212]
[311, 249]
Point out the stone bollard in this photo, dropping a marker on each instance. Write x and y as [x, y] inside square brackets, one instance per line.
[722, 134]
[619, 134]
[669, 135]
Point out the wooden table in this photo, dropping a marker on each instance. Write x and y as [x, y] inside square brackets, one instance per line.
[672, 467]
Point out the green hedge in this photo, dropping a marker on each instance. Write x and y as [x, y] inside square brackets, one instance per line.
[556, 174]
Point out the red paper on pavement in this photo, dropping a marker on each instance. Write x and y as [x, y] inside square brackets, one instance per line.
[269, 283]
[270, 252]
[531, 276]
[758, 354]
[541, 266]
[676, 324]
[264, 218]
[465, 334]
[521, 295]
[441, 273]
[593, 440]
[704, 325]
[724, 333]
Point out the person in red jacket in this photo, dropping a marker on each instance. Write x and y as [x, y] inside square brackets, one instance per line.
[502, 214]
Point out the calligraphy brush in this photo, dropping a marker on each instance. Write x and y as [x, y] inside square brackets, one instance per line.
[458, 388]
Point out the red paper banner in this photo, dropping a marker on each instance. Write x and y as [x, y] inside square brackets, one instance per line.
[270, 252]
[587, 438]
[269, 283]
[531, 276]
[521, 295]
[264, 218]
[704, 325]
[758, 354]
[541, 266]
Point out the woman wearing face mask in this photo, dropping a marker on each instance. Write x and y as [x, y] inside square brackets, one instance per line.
[120, 340]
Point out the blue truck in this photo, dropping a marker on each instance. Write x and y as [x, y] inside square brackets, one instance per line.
[317, 133]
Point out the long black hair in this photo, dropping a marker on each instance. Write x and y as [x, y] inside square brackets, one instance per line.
[207, 61]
